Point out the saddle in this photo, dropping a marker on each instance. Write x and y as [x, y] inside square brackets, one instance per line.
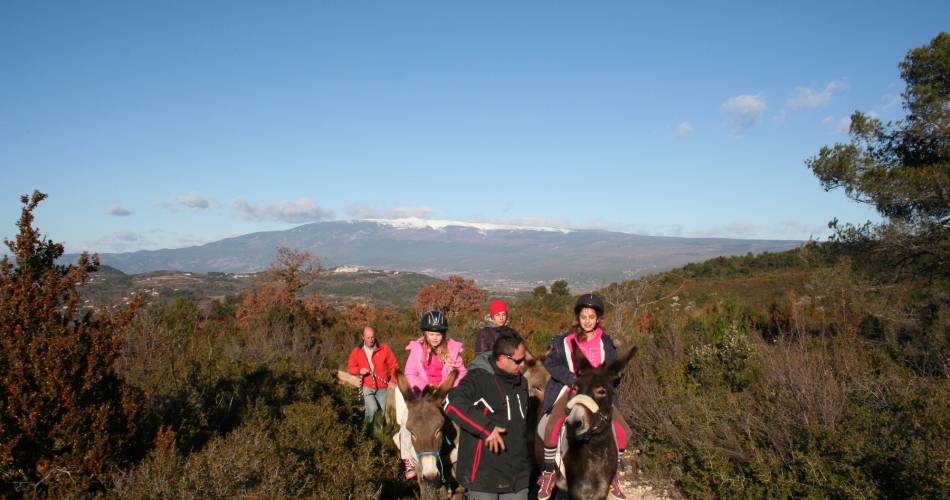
[562, 445]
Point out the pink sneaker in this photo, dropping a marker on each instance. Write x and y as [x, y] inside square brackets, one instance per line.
[410, 469]
[546, 484]
[615, 491]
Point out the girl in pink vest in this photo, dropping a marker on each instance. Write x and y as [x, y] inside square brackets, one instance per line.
[589, 336]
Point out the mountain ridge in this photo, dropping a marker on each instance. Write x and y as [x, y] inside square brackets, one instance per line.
[497, 256]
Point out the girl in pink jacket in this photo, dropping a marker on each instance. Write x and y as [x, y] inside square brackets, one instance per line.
[431, 358]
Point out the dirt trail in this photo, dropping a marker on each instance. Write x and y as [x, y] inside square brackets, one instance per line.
[642, 490]
[637, 487]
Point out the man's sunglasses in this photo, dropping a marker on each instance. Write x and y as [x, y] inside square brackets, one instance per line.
[517, 361]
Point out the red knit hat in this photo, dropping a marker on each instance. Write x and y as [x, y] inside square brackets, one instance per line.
[496, 306]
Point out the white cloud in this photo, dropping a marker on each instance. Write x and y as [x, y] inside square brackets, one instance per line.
[298, 211]
[734, 230]
[844, 125]
[744, 110]
[684, 129]
[364, 211]
[839, 125]
[421, 211]
[794, 229]
[891, 101]
[119, 211]
[812, 98]
[785, 230]
[127, 236]
[193, 200]
[119, 241]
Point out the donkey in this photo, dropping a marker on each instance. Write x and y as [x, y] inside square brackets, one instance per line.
[432, 436]
[590, 461]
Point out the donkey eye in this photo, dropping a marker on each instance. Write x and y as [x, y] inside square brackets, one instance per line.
[600, 392]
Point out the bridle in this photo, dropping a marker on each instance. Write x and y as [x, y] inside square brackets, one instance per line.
[601, 418]
[438, 457]
[602, 422]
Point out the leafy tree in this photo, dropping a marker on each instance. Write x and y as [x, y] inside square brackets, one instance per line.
[64, 413]
[276, 296]
[901, 168]
[539, 291]
[559, 288]
[293, 268]
[451, 296]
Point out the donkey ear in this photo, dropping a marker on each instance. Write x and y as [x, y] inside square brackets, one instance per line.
[439, 395]
[580, 361]
[403, 383]
[617, 366]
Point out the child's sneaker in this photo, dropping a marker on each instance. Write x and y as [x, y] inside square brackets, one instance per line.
[615, 491]
[410, 469]
[546, 484]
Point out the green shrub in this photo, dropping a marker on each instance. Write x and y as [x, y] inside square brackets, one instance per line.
[314, 449]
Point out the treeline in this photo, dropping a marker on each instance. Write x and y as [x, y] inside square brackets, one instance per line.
[749, 264]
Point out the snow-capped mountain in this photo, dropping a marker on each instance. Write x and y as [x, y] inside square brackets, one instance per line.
[499, 256]
[439, 225]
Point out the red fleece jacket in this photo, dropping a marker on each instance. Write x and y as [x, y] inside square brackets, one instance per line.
[384, 362]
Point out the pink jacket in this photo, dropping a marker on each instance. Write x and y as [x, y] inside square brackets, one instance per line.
[416, 372]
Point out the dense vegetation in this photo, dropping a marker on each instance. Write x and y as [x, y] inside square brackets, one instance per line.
[819, 372]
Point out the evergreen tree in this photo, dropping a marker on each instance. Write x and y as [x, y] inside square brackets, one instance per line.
[560, 289]
[64, 414]
[902, 169]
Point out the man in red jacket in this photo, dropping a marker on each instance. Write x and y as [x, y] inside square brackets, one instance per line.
[376, 364]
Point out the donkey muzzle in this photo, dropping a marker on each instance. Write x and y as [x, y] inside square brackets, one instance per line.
[429, 466]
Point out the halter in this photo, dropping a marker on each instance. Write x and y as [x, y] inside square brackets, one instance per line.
[438, 457]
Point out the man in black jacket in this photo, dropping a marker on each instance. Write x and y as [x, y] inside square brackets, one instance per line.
[490, 405]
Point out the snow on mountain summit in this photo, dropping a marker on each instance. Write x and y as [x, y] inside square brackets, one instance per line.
[439, 225]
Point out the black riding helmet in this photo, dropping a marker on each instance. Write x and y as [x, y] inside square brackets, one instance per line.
[589, 300]
[434, 321]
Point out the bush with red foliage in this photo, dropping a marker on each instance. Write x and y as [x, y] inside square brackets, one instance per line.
[65, 416]
[451, 296]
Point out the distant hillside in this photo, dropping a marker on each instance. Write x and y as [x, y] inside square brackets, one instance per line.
[109, 286]
[498, 257]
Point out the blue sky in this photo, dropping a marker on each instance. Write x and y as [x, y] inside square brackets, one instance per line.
[168, 124]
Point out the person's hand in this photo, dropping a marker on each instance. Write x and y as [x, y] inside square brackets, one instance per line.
[496, 443]
[364, 371]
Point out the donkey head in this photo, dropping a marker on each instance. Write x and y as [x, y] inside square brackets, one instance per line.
[425, 422]
[590, 408]
[537, 376]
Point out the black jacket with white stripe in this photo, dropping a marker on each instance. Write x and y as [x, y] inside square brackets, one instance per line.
[483, 400]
